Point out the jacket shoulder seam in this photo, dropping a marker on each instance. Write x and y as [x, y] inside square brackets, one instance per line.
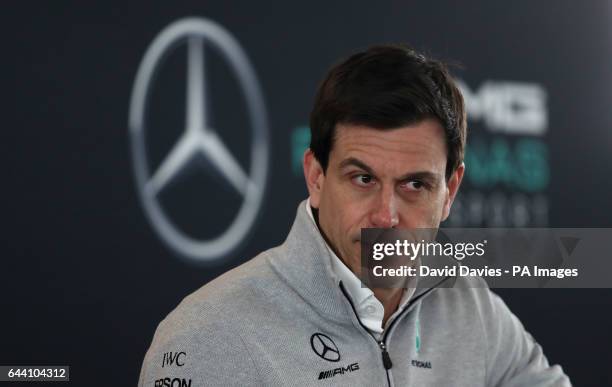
[259, 377]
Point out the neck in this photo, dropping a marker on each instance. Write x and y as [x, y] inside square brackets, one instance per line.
[390, 298]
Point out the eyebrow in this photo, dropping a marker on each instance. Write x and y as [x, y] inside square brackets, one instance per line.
[351, 161]
[420, 175]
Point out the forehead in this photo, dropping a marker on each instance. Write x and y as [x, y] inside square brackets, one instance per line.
[421, 146]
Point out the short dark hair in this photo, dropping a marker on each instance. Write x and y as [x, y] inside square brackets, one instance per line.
[386, 87]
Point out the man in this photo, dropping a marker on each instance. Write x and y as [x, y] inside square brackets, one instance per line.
[388, 135]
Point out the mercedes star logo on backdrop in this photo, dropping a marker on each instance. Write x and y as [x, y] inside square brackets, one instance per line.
[324, 347]
[198, 139]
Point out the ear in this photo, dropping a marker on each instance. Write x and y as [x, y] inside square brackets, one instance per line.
[452, 188]
[313, 173]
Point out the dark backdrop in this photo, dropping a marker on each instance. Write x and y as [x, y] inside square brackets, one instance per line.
[86, 279]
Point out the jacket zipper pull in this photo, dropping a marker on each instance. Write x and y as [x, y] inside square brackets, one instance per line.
[385, 356]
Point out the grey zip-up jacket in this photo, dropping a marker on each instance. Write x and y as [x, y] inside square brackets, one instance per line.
[283, 319]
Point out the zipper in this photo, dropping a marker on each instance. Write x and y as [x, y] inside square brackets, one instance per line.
[385, 355]
[386, 359]
[410, 303]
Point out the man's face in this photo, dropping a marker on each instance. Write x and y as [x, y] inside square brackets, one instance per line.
[382, 179]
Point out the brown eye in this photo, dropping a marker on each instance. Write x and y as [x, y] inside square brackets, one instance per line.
[414, 185]
[363, 180]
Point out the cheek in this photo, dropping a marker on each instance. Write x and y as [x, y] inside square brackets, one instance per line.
[425, 212]
[437, 208]
[348, 219]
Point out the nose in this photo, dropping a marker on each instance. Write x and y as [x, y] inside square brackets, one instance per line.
[384, 214]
